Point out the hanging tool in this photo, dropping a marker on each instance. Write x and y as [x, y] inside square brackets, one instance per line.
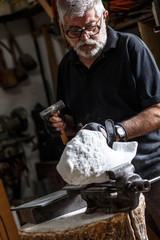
[25, 59]
[51, 55]
[51, 12]
[45, 31]
[8, 75]
[54, 22]
[52, 111]
[39, 57]
[20, 73]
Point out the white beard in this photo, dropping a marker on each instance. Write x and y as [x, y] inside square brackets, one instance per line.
[91, 48]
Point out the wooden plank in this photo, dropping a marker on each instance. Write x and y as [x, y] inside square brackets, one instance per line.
[150, 38]
[8, 228]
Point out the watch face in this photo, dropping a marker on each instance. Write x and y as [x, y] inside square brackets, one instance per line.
[121, 131]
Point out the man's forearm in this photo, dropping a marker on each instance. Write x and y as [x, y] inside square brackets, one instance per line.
[144, 123]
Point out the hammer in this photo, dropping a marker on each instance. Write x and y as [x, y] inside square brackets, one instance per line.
[52, 111]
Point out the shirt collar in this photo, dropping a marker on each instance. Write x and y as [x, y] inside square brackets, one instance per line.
[112, 39]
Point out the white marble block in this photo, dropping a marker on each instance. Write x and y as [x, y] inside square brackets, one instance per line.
[87, 157]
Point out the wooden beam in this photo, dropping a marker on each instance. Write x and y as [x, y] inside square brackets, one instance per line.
[47, 8]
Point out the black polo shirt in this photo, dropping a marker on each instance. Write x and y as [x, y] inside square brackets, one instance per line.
[122, 82]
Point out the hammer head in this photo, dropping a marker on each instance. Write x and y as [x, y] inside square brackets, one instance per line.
[50, 111]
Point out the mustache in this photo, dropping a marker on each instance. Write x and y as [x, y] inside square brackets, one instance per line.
[87, 42]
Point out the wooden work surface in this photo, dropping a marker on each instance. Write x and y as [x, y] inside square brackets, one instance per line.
[97, 226]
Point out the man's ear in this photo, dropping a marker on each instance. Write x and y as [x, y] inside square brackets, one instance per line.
[105, 14]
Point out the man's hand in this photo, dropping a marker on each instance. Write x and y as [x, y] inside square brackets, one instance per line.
[108, 131]
[55, 125]
[58, 123]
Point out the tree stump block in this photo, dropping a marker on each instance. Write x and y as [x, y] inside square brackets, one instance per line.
[97, 226]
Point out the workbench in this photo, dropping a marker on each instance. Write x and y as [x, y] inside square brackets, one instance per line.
[96, 226]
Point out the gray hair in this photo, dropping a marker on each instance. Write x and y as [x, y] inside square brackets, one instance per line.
[78, 8]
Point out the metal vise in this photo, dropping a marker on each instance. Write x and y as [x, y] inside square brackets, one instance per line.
[120, 194]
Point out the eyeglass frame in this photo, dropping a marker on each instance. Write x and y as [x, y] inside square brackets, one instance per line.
[81, 30]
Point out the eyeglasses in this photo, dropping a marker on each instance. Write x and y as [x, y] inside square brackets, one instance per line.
[76, 32]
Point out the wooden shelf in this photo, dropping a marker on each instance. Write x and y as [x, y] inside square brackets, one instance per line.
[132, 22]
[25, 13]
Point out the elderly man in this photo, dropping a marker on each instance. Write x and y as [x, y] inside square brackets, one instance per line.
[111, 75]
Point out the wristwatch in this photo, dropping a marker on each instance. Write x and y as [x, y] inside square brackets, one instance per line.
[121, 132]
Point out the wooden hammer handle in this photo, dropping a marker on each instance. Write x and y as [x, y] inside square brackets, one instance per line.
[64, 137]
[63, 133]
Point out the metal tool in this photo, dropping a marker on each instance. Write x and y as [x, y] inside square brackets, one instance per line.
[8, 77]
[120, 194]
[50, 206]
[52, 111]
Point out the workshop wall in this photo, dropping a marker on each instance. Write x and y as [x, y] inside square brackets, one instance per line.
[30, 91]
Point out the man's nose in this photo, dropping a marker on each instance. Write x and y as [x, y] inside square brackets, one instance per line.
[84, 36]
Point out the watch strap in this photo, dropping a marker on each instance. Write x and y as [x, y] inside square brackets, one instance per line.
[111, 132]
